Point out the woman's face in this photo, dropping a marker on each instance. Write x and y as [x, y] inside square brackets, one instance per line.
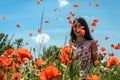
[75, 29]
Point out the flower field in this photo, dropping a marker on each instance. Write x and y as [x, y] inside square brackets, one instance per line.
[17, 63]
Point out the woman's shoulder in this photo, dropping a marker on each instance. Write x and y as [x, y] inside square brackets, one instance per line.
[90, 44]
[93, 44]
[89, 41]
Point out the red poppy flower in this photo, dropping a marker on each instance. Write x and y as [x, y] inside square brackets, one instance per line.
[64, 58]
[9, 52]
[112, 61]
[24, 53]
[94, 77]
[39, 63]
[16, 75]
[50, 72]
[7, 62]
[96, 62]
[4, 77]
[66, 50]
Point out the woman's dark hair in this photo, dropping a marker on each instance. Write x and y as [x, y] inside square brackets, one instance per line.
[87, 35]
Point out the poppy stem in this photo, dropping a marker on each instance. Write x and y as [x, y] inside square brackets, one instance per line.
[41, 20]
[65, 40]
[11, 39]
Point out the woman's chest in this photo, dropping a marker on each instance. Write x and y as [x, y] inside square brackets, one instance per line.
[83, 50]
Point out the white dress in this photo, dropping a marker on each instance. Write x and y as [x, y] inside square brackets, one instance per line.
[83, 52]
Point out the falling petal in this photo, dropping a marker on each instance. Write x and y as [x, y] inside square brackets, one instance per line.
[73, 25]
[39, 30]
[103, 49]
[96, 5]
[92, 30]
[95, 41]
[47, 21]
[81, 31]
[95, 20]
[76, 5]
[27, 43]
[89, 4]
[116, 47]
[93, 24]
[38, 2]
[71, 13]
[68, 17]
[97, 44]
[104, 52]
[111, 54]
[70, 21]
[56, 19]
[81, 27]
[17, 26]
[30, 34]
[3, 18]
[106, 38]
[55, 9]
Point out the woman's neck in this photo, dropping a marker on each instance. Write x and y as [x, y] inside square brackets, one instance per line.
[80, 39]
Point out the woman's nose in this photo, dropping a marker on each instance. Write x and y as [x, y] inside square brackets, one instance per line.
[77, 27]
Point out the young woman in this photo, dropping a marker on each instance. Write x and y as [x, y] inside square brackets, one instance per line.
[85, 48]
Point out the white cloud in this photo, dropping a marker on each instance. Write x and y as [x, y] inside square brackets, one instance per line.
[63, 3]
[42, 38]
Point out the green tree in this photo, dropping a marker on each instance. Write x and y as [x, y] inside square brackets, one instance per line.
[6, 43]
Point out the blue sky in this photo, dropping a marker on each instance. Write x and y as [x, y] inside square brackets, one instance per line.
[27, 14]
